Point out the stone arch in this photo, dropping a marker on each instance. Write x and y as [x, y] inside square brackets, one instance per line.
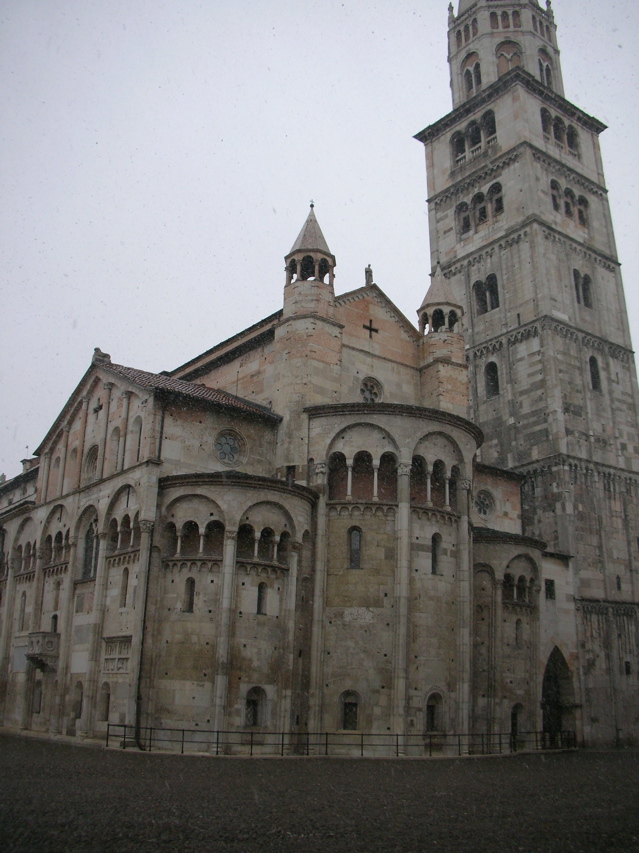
[363, 436]
[438, 445]
[57, 519]
[269, 514]
[193, 506]
[124, 501]
[508, 54]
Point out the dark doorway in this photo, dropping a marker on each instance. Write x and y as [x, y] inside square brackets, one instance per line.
[557, 698]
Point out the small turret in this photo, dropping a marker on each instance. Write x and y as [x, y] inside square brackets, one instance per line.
[310, 271]
[443, 370]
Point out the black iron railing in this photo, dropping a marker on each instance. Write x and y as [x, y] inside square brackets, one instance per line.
[259, 742]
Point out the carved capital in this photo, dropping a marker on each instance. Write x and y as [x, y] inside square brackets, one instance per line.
[47, 454]
[404, 470]
[230, 534]
[126, 393]
[66, 428]
[146, 526]
[320, 468]
[101, 535]
[464, 484]
[296, 547]
[73, 541]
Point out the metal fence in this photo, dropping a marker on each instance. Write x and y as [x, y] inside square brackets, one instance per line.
[364, 744]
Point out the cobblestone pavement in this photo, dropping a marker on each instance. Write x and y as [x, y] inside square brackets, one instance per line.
[58, 797]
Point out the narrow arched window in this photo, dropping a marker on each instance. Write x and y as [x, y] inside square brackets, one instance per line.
[323, 269]
[491, 376]
[522, 589]
[124, 587]
[559, 131]
[595, 379]
[582, 212]
[105, 702]
[508, 587]
[618, 581]
[91, 464]
[496, 200]
[355, 548]
[489, 127]
[363, 476]
[136, 532]
[518, 633]
[586, 290]
[569, 203]
[492, 292]
[56, 595]
[261, 599]
[474, 26]
[438, 483]
[337, 477]
[190, 544]
[349, 710]
[480, 209]
[418, 481]
[458, 145]
[125, 533]
[255, 707]
[463, 219]
[468, 80]
[435, 553]
[516, 20]
[459, 38]
[266, 545]
[136, 439]
[434, 722]
[572, 139]
[37, 697]
[576, 275]
[494, 21]
[466, 33]
[54, 623]
[474, 138]
[479, 291]
[477, 76]
[546, 122]
[439, 320]
[555, 192]
[245, 542]
[91, 548]
[112, 536]
[189, 595]
[307, 268]
[505, 20]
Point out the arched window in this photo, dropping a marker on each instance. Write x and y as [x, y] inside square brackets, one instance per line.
[323, 269]
[438, 484]
[261, 599]
[505, 20]
[586, 291]
[555, 192]
[435, 553]
[522, 589]
[54, 623]
[124, 587]
[572, 139]
[284, 548]
[477, 76]
[58, 547]
[355, 548]
[255, 708]
[453, 319]
[458, 145]
[481, 304]
[91, 464]
[595, 379]
[559, 131]
[349, 710]
[434, 721]
[459, 38]
[418, 481]
[113, 449]
[91, 549]
[105, 702]
[474, 138]
[265, 545]
[21, 612]
[508, 587]
[496, 200]
[307, 268]
[125, 533]
[489, 126]
[214, 539]
[463, 218]
[190, 539]
[56, 595]
[26, 559]
[491, 376]
[362, 489]
[136, 440]
[189, 595]
[570, 203]
[136, 531]
[468, 81]
[534, 20]
[582, 211]
[387, 477]
[508, 56]
[479, 209]
[466, 33]
[112, 536]
[577, 279]
[337, 477]
[438, 320]
[618, 583]
[245, 542]
[494, 21]
[474, 27]
[37, 697]
[169, 540]
[516, 20]
[546, 122]
[452, 487]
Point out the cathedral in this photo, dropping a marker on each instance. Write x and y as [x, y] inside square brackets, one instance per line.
[340, 521]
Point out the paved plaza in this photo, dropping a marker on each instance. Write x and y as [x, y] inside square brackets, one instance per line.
[57, 797]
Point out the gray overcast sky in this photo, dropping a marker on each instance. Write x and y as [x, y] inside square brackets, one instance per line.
[158, 158]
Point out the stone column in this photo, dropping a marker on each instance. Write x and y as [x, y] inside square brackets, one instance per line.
[65, 627]
[139, 613]
[83, 435]
[375, 480]
[124, 426]
[108, 386]
[63, 461]
[464, 615]
[349, 481]
[201, 549]
[87, 722]
[227, 599]
[289, 652]
[447, 493]
[46, 467]
[428, 492]
[38, 593]
[319, 596]
[402, 570]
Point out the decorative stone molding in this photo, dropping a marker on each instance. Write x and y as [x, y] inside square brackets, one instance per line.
[556, 167]
[192, 564]
[320, 469]
[356, 510]
[435, 515]
[146, 526]
[403, 470]
[578, 249]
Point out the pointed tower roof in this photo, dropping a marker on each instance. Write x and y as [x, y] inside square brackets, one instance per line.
[310, 238]
[438, 293]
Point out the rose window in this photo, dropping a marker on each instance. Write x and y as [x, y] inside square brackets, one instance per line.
[229, 447]
[484, 504]
[370, 390]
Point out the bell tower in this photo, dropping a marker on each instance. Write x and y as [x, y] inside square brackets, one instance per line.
[519, 218]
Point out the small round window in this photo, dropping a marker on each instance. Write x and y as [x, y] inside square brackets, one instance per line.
[484, 504]
[370, 390]
[229, 447]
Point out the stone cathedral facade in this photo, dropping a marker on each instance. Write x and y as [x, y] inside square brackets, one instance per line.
[338, 521]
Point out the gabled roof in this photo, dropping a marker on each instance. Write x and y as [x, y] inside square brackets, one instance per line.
[373, 291]
[310, 238]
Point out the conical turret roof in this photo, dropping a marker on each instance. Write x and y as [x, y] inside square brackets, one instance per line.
[439, 293]
[310, 238]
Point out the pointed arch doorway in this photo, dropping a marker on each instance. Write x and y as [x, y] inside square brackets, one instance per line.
[557, 698]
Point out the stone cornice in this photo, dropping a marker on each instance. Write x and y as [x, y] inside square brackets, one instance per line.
[240, 480]
[488, 535]
[371, 409]
[583, 465]
[516, 76]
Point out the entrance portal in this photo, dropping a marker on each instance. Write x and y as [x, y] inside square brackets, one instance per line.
[557, 698]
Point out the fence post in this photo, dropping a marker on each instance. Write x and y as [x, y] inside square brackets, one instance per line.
[361, 745]
[182, 746]
[150, 738]
[124, 738]
[251, 752]
[326, 743]
[459, 744]
[397, 746]
[107, 739]
[282, 751]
